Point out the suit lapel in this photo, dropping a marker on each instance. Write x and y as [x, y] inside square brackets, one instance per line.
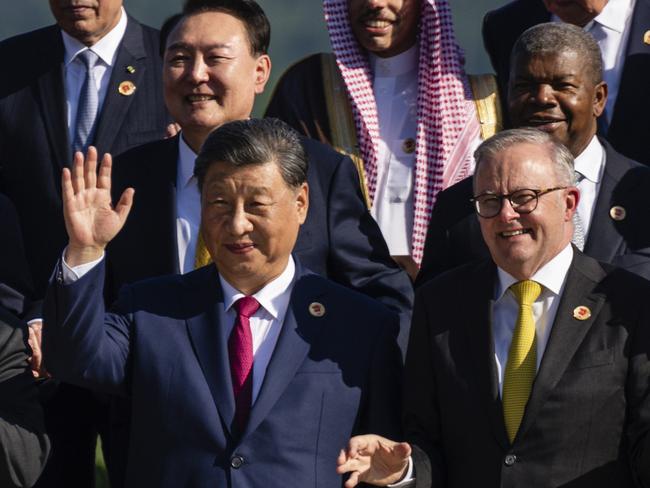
[296, 336]
[567, 333]
[205, 323]
[604, 241]
[51, 95]
[116, 105]
[478, 323]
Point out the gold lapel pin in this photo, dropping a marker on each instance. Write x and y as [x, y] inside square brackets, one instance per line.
[316, 309]
[617, 213]
[126, 88]
[646, 37]
[130, 69]
[581, 312]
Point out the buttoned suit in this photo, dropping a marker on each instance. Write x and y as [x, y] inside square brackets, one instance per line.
[630, 123]
[454, 235]
[34, 148]
[165, 346]
[586, 421]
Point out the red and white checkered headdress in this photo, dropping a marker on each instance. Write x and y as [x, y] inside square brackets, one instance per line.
[444, 106]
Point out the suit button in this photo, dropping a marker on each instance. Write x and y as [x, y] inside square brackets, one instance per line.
[236, 461]
[510, 460]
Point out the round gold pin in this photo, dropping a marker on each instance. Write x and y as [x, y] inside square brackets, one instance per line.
[130, 69]
[408, 146]
[617, 213]
[126, 88]
[646, 37]
[581, 312]
[316, 309]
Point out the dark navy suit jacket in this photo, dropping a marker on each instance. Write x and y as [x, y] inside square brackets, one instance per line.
[454, 236]
[630, 122]
[339, 238]
[165, 346]
[34, 145]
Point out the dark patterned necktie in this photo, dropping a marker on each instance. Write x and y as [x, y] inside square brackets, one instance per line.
[88, 104]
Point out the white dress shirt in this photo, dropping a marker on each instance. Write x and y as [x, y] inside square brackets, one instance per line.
[188, 207]
[265, 324]
[75, 71]
[505, 308]
[395, 86]
[590, 163]
[611, 29]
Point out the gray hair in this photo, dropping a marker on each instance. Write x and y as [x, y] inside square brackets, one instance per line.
[557, 37]
[255, 141]
[503, 140]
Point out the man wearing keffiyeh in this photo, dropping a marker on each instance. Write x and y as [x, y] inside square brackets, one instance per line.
[394, 95]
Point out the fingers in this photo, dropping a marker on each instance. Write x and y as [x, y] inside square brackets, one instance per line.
[105, 169]
[77, 170]
[353, 480]
[90, 168]
[125, 203]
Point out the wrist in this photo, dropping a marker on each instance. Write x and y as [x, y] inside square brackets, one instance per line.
[78, 255]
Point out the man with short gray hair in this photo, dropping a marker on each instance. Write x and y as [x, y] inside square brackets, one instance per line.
[530, 368]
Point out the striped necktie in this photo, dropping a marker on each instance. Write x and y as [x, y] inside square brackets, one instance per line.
[88, 104]
[579, 236]
[521, 367]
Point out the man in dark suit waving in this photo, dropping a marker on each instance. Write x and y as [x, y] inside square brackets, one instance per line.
[93, 78]
[249, 376]
[556, 85]
[530, 368]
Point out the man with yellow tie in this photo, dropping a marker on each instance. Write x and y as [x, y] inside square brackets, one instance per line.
[532, 368]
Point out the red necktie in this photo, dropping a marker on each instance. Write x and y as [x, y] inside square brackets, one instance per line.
[240, 351]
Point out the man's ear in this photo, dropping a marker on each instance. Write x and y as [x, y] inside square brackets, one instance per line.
[600, 98]
[571, 201]
[302, 202]
[262, 72]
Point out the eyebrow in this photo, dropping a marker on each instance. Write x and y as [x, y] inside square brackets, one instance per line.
[190, 47]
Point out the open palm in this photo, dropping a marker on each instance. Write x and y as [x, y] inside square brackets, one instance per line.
[90, 219]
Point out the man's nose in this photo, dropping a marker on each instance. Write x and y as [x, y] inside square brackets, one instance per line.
[543, 94]
[198, 71]
[240, 223]
[507, 212]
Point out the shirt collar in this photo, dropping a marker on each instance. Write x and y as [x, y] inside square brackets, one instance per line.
[551, 276]
[105, 48]
[275, 295]
[395, 66]
[614, 15]
[186, 160]
[590, 163]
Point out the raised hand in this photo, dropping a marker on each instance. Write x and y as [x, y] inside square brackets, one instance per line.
[90, 219]
[373, 459]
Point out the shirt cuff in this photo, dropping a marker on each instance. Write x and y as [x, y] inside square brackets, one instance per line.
[408, 477]
[70, 275]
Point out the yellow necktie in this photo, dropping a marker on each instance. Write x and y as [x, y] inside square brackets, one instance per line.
[202, 256]
[522, 358]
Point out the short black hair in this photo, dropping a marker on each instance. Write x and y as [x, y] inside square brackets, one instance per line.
[166, 29]
[255, 141]
[558, 37]
[248, 12]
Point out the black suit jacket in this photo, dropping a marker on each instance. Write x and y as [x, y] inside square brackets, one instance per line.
[586, 421]
[23, 444]
[339, 238]
[34, 144]
[630, 123]
[454, 236]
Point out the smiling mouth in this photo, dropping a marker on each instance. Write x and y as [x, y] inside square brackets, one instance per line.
[545, 123]
[512, 233]
[199, 98]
